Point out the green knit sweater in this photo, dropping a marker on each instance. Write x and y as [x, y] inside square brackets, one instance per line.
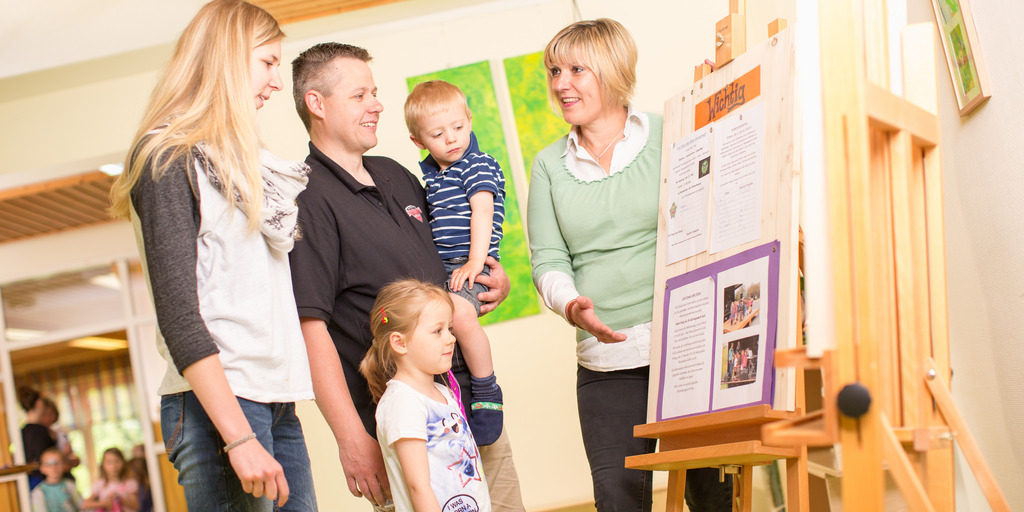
[602, 233]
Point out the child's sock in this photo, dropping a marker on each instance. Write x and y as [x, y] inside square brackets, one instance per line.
[485, 416]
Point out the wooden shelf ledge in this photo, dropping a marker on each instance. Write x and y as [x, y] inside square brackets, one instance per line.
[748, 453]
[747, 416]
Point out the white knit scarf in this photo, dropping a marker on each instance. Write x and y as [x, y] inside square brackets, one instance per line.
[283, 180]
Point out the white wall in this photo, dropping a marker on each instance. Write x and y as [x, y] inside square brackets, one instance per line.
[88, 111]
[983, 192]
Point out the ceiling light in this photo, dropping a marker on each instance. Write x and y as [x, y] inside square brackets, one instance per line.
[112, 169]
[17, 334]
[97, 343]
[109, 281]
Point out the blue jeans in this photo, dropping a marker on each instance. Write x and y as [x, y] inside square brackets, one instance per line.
[610, 405]
[197, 452]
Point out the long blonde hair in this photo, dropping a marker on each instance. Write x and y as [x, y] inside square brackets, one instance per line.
[397, 309]
[204, 97]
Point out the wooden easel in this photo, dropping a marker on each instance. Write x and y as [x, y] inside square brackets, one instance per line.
[731, 439]
[883, 180]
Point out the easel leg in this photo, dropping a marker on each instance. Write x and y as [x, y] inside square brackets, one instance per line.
[743, 489]
[797, 488]
[676, 500]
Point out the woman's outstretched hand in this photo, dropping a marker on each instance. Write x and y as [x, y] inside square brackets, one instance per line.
[584, 316]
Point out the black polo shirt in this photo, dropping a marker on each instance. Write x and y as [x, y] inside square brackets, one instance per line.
[355, 240]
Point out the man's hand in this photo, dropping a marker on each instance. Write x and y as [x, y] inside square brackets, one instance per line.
[498, 285]
[583, 315]
[364, 469]
[358, 451]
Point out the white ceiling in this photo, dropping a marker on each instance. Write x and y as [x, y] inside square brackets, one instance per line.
[42, 34]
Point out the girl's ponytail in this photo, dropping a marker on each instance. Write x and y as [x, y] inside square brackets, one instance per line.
[376, 370]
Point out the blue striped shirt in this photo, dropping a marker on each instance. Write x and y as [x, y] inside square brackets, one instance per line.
[448, 193]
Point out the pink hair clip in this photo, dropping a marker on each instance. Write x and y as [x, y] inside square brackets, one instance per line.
[383, 316]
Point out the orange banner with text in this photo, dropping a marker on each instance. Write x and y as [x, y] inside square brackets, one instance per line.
[728, 98]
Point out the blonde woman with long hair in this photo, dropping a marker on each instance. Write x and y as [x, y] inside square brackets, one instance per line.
[214, 216]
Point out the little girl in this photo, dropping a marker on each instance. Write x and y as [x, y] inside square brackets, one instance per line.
[431, 458]
[115, 491]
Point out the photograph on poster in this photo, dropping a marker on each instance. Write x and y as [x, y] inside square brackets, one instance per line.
[741, 305]
[739, 290]
[739, 362]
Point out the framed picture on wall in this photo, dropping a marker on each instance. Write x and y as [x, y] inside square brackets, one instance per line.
[960, 42]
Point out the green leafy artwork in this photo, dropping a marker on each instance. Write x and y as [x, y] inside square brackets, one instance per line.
[475, 82]
[537, 125]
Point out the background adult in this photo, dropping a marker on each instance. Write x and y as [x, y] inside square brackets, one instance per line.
[38, 433]
[593, 223]
[215, 218]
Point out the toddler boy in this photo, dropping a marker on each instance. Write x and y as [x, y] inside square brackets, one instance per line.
[466, 195]
[55, 493]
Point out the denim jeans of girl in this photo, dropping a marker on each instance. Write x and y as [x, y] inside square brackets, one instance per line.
[197, 451]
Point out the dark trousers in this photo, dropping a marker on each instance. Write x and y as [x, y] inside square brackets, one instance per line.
[610, 405]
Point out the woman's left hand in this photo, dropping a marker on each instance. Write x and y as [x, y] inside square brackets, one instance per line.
[584, 316]
[498, 285]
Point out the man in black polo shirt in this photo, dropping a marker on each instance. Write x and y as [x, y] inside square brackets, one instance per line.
[364, 223]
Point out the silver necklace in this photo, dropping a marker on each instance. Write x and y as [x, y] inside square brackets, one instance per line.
[606, 148]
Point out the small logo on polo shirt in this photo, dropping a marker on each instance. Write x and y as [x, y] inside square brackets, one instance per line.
[414, 212]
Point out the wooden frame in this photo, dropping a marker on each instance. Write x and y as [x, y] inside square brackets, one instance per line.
[960, 44]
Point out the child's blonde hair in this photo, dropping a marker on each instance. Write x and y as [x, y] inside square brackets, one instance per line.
[397, 309]
[429, 98]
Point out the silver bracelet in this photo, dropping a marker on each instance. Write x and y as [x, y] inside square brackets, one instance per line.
[233, 444]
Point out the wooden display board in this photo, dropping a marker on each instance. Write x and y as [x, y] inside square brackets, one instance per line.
[757, 83]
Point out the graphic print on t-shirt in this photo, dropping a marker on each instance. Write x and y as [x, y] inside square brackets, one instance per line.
[449, 442]
[461, 503]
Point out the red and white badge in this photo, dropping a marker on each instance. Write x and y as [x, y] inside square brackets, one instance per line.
[414, 212]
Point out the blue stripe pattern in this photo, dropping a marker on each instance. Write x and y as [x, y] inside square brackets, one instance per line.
[448, 193]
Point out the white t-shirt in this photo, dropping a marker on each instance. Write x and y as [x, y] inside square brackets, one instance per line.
[456, 471]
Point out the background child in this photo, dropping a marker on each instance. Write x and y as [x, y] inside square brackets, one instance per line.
[55, 493]
[139, 471]
[115, 490]
[466, 194]
[431, 458]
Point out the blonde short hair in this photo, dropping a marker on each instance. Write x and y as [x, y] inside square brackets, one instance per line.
[429, 98]
[604, 46]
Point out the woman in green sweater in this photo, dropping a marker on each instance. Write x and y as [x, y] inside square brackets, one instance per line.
[593, 223]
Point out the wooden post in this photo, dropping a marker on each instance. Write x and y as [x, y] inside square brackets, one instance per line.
[700, 71]
[730, 38]
[777, 25]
